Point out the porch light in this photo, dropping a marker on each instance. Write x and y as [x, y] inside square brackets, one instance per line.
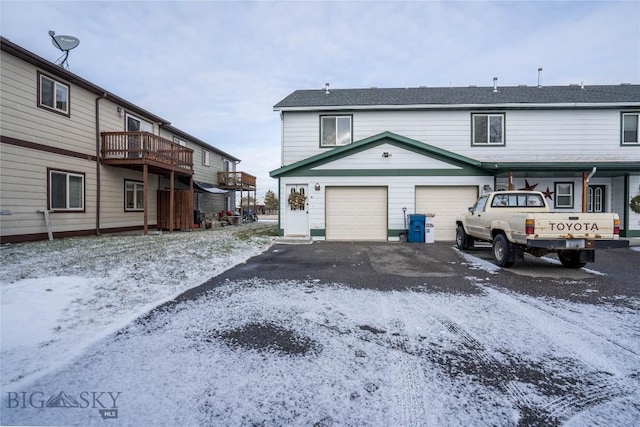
[317, 186]
[120, 112]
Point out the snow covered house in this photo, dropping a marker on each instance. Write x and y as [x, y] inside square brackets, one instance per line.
[86, 161]
[356, 161]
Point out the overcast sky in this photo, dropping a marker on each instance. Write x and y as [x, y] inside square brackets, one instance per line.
[216, 69]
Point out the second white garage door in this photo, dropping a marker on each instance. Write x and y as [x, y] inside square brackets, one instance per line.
[356, 213]
[446, 203]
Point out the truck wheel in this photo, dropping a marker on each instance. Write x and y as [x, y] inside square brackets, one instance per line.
[570, 259]
[502, 251]
[463, 240]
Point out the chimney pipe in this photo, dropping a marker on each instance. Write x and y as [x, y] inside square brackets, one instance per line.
[539, 77]
[326, 88]
[495, 84]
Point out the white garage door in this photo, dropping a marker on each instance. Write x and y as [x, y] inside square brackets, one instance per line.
[446, 203]
[356, 213]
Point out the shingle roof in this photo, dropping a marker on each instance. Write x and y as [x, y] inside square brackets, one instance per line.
[452, 96]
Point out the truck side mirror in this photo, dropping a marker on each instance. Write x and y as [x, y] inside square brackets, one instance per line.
[470, 209]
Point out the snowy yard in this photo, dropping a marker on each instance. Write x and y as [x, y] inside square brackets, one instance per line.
[292, 352]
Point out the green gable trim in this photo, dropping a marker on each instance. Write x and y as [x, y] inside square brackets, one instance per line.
[621, 167]
[388, 172]
[373, 141]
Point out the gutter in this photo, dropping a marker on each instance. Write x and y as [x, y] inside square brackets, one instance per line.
[103, 96]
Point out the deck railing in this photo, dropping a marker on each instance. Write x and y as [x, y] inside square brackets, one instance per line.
[236, 180]
[132, 146]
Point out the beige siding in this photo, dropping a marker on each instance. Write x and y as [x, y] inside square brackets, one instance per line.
[22, 119]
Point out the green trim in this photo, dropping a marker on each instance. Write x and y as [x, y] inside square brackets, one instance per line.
[621, 167]
[627, 203]
[280, 232]
[395, 232]
[317, 232]
[630, 233]
[387, 172]
[382, 138]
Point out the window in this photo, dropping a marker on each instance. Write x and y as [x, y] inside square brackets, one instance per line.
[133, 196]
[517, 201]
[205, 157]
[66, 191]
[335, 130]
[179, 142]
[53, 95]
[630, 128]
[480, 204]
[564, 195]
[487, 129]
[595, 198]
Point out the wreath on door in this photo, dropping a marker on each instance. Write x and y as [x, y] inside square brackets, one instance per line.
[635, 204]
[297, 200]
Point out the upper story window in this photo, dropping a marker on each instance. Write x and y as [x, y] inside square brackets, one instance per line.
[205, 157]
[53, 95]
[630, 128]
[335, 131]
[66, 191]
[180, 142]
[487, 129]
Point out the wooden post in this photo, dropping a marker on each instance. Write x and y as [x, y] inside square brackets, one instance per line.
[191, 192]
[510, 185]
[171, 202]
[145, 186]
[584, 191]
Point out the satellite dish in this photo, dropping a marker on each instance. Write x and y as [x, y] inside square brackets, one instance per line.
[65, 44]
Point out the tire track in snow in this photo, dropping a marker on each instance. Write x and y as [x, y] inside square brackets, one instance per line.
[601, 390]
[409, 398]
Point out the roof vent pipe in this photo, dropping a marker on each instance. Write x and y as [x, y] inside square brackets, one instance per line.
[539, 77]
[326, 88]
[495, 84]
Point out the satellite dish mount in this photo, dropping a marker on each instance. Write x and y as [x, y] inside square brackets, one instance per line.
[65, 44]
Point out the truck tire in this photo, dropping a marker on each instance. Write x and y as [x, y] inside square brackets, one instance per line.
[570, 259]
[502, 251]
[463, 240]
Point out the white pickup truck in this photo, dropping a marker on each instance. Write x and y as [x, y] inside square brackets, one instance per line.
[520, 221]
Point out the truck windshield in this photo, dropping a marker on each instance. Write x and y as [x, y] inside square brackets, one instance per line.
[517, 201]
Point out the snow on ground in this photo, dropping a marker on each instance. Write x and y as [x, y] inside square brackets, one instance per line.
[58, 297]
[258, 352]
[298, 353]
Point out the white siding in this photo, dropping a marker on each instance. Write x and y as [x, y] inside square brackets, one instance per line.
[530, 136]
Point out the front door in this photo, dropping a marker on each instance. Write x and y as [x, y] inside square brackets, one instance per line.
[595, 198]
[297, 216]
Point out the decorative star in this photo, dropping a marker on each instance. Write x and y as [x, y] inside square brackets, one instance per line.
[548, 194]
[528, 187]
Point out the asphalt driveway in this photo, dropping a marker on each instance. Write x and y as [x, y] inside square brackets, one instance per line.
[335, 334]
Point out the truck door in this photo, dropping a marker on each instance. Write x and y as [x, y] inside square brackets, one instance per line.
[475, 220]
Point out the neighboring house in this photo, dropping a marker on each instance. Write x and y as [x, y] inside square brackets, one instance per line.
[91, 162]
[364, 158]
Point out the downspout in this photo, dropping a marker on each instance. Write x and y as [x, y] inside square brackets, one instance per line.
[585, 187]
[103, 96]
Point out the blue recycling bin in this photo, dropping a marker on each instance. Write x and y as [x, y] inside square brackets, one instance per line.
[416, 228]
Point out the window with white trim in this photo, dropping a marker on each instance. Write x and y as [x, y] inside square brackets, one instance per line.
[180, 142]
[335, 131]
[53, 94]
[205, 157]
[564, 195]
[66, 191]
[133, 195]
[630, 123]
[487, 129]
